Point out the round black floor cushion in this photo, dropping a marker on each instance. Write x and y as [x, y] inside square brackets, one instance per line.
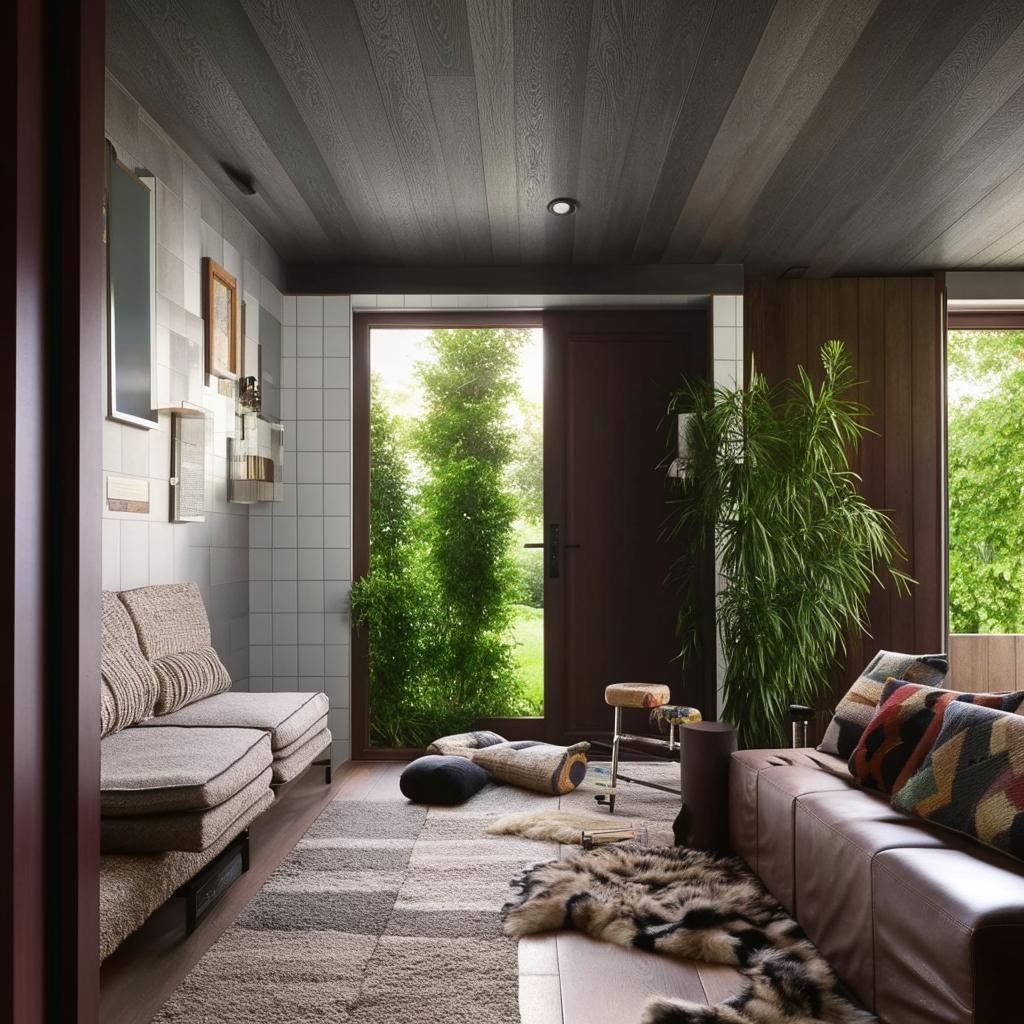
[436, 779]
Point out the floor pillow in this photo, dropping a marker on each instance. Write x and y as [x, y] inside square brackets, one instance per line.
[543, 767]
[904, 729]
[463, 741]
[972, 780]
[441, 779]
[858, 707]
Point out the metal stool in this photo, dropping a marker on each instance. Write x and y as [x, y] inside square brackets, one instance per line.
[655, 697]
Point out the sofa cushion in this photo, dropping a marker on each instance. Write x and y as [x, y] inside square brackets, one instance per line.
[972, 780]
[194, 831]
[287, 717]
[157, 771]
[745, 767]
[315, 729]
[442, 780]
[857, 708]
[168, 618]
[905, 727]
[948, 933]
[836, 838]
[128, 687]
[288, 768]
[189, 676]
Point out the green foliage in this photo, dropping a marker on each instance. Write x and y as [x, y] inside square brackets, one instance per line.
[986, 481]
[467, 446]
[797, 545]
[439, 598]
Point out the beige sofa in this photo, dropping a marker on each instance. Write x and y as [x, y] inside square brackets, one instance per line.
[186, 763]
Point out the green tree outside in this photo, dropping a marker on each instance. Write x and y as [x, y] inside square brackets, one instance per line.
[986, 481]
[450, 638]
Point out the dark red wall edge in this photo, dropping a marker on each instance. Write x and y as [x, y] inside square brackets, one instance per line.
[50, 316]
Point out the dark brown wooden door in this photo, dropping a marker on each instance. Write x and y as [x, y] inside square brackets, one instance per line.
[610, 617]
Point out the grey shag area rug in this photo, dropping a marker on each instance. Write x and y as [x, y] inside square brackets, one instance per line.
[389, 913]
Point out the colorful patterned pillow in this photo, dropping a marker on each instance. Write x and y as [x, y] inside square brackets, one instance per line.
[972, 780]
[859, 705]
[904, 728]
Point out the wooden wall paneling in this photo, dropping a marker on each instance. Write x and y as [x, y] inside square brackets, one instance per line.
[968, 656]
[871, 324]
[1019, 662]
[794, 325]
[1002, 662]
[928, 415]
[899, 450]
[819, 326]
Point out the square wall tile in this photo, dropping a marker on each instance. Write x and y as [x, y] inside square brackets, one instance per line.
[309, 341]
[723, 310]
[311, 594]
[309, 311]
[285, 596]
[337, 310]
[310, 564]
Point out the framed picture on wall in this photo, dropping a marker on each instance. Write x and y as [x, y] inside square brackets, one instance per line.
[223, 327]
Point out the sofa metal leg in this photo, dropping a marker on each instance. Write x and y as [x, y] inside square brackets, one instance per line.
[328, 767]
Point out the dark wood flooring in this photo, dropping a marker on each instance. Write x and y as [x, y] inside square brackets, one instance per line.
[563, 979]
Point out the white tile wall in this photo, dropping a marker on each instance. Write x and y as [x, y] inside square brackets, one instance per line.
[300, 550]
[192, 221]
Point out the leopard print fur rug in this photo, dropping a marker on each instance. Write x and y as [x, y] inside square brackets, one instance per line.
[691, 905]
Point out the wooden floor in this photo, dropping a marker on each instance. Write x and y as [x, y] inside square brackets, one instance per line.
[563, 979]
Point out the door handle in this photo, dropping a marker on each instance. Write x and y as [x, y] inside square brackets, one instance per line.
[554, 547]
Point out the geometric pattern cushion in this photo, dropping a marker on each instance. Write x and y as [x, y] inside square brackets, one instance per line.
[858, 707]
[904, 729]
[972, 780]
[169, 617]
[189, 676]
[128, 688]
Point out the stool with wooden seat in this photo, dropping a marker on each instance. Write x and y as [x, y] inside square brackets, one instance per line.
[667, 717]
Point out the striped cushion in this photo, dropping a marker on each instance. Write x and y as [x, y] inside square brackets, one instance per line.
[189, 676]
[972, 780]
[128, 686]
[904, 729]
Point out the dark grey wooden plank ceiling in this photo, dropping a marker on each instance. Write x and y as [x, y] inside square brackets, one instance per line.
[842, 135]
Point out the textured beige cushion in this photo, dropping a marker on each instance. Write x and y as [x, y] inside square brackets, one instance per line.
[154, 771]
[189, 676]
[314, 730]
[637, 695]
[132, 886]
[288, 768]
[169, 618]
[128, 689]
[193, 831]
[288, 717]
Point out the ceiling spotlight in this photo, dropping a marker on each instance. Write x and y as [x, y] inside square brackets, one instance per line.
[563, 206]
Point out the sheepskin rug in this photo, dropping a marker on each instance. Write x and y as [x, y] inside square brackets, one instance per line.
[691, 905]
[552, 826]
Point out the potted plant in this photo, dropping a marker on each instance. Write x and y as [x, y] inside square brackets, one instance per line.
[766, 478]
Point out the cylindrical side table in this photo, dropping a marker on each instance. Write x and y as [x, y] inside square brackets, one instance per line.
[703, 821]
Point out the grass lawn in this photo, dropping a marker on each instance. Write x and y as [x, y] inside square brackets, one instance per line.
[528, 636]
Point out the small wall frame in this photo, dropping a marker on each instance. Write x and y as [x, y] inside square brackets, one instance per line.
[188, 467]
[223, 322]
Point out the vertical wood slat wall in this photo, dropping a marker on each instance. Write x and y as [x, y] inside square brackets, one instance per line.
[892, 328]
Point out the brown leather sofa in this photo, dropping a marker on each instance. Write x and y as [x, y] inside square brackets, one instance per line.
[925, 927]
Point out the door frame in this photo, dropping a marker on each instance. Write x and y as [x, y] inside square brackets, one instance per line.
[362, 325]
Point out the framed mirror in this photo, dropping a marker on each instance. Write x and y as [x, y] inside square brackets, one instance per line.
[131, 293]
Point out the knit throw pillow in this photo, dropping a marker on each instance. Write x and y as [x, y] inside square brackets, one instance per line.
[128, 688]
[859, 705]
[187, 677]
[972, 780]
[904, 728]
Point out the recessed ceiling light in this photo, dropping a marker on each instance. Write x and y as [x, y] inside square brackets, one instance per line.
[563, 206]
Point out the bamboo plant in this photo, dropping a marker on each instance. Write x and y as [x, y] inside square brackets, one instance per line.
[797, 547]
